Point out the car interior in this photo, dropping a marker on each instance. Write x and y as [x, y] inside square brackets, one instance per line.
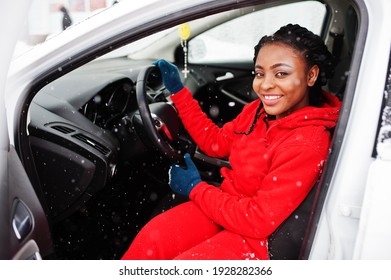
[100, 137]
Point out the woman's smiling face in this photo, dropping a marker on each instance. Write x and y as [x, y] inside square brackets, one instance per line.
[282, 79]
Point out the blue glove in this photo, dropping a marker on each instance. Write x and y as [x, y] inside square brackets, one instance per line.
[182, 181]
[170, 74]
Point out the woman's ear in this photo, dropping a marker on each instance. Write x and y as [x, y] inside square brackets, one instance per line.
[312, 75]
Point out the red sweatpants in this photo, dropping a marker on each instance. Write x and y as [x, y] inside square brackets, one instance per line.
[185, 232]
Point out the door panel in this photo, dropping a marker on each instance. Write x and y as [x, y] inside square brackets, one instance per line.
[224, 92]
[27, 225]
[24, 231]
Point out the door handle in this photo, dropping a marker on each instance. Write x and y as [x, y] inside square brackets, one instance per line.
[226, 76]
[22, 220]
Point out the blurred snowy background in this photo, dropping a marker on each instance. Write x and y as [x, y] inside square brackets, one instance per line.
[45, 18]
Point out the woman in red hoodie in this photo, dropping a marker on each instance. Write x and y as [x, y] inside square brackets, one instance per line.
[276, 146]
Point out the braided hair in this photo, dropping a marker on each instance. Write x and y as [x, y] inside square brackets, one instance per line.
[313, 51]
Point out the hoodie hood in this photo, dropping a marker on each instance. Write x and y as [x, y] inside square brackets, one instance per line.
[326, 115]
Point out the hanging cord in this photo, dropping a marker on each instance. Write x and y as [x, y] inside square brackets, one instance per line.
[266, 121]
[256, 117]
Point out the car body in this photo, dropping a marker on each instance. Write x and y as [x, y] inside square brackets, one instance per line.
[82, 174]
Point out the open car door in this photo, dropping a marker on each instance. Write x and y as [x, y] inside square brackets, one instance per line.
[24, 230]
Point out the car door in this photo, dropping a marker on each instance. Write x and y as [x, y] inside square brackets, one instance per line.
[24, 229]
[374, 232]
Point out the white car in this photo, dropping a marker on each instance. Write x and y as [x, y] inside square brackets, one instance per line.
[84, 165]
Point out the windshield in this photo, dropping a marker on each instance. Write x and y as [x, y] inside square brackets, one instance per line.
[136, 46]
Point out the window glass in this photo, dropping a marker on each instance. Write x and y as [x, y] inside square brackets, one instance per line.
[234, 41]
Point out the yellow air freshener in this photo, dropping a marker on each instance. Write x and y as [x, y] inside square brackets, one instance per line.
[184, 31]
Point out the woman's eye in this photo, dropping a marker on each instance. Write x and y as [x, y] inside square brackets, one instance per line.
[258, 74]
[281, 74]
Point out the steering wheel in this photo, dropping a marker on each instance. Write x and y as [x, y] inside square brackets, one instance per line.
[161, 122]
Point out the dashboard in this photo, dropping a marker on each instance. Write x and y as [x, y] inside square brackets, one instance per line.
[80, 131]
[109, 104]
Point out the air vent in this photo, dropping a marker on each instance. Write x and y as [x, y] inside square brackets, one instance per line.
[63, 129]
[99, 147]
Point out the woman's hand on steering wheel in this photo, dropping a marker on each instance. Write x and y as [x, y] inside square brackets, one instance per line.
[160, 121]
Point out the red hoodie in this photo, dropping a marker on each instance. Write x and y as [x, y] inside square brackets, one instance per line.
[273, 168]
